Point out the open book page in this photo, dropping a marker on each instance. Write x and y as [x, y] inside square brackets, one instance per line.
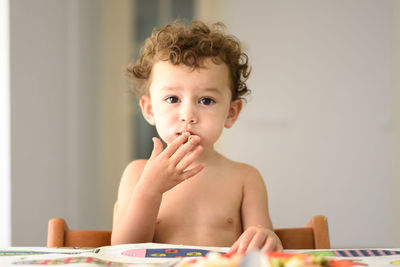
[145, 254]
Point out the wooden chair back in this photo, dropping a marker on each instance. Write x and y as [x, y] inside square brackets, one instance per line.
[59, 235]
[314, 236]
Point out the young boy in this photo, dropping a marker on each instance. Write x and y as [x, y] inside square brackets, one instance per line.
[191, 81]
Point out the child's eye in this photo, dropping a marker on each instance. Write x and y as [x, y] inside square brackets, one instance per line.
[207, 101]
[172, 99]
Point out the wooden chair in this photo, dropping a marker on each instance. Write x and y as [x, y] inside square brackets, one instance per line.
[59, 235]
[314, 236]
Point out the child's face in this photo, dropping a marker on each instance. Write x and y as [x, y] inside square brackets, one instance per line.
[197, 101]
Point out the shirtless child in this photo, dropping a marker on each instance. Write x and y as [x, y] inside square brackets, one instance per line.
[191, 82]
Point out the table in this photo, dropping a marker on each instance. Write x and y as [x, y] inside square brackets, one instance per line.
[153, 254]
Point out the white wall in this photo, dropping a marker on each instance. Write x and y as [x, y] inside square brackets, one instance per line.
[70, 113]
[396, 197]
[38, 86]
[5, 203]
[320, 122]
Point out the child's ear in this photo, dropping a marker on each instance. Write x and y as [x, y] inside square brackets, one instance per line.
[233, 114]
[147, 109]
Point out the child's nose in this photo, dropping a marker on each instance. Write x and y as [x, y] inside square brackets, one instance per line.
[188, 114]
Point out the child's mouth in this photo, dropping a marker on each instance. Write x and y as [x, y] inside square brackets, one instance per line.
[183, 132]
[188, 133]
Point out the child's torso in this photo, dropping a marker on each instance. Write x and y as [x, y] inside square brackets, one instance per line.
[204, 210]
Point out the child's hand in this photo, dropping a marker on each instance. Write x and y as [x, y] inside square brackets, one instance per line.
[166, 169]
[257, 237]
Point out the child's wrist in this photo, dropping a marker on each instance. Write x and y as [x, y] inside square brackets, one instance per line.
[147, 190]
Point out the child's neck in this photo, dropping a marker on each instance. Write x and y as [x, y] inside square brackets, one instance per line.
[209, 154]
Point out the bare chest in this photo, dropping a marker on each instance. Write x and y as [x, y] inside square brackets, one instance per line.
[201, 211]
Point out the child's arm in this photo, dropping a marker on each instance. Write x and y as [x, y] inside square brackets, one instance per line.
[257, 226]
[143, 184]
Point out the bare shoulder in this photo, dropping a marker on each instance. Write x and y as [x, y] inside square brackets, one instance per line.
[245, 171]
[129, 179]
[135, 166]
[132, 173]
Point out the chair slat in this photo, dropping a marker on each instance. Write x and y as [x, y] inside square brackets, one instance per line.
[296, 238]
[87, 238]
[314, 236]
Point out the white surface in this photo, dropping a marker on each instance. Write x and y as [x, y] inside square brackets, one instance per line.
[70, 113]
[133, 255]
[5, 204]
[104, 256]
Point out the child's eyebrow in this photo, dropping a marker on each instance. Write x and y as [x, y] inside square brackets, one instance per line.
[206, 89]
[212, 90]
[169, 88]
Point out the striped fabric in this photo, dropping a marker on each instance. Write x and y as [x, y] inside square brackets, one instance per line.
[364, 253]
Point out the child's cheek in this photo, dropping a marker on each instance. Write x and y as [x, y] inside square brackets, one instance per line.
[165, 132]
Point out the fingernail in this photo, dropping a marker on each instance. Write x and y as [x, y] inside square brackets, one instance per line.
[190, 137]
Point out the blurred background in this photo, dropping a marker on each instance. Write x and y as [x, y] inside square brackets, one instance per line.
[321, 125]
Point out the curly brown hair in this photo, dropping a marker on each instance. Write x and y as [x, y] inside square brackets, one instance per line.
[180, 44]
